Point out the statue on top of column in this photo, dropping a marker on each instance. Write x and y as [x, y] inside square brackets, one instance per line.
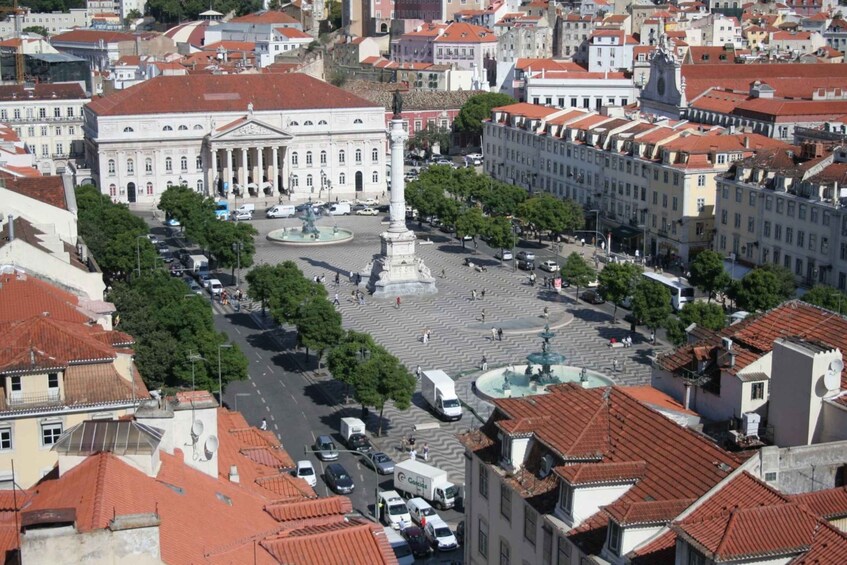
[397, 104]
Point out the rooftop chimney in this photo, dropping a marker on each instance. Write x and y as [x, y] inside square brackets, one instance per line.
[11, 227]
[233, 474]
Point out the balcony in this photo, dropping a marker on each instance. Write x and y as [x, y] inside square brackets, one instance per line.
[32, 399]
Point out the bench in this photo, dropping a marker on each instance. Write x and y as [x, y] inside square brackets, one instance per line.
[616, 344]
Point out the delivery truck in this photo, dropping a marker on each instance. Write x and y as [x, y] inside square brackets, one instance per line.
[197, 264]
[414, 478]
[439, 391]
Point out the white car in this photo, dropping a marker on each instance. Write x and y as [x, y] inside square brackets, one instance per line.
[369, 202]
[238, 215]
[418, 507]
[503, 254]
[318, 203]
[367, 211]
[439, 535]
[550, 267]
[306, 471]
[215, 287]
[394, 511]
[348, 202]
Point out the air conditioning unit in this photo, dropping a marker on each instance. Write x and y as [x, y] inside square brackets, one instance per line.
[750, 424]
[546, 466]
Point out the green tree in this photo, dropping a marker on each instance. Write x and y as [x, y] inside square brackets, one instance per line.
[193, 210]
[827, 297]
[290, 291]
[760, 289]
[675, 330]
[40, 30]
[224, 239]
[708, 273]
[617, 283]
[429, 137]
[651, 303]
[470, 222]
[577, 271]
[382, 379]
[318, 325]
[499, 232]
[502, 199]
[133, 15]
[545, 212]
[787, 282]
[705, 315]
[345, 359]
[425, 196]
[260, 284]
[476, 109]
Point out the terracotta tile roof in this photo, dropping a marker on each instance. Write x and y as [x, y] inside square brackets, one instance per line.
[297, 513]
[657, 399]
[91, 36]
[821, 109]
[788, 79]
[229, 45]
[43, 91]
[100, 383]
[226, 93]
[647, 512]
[354, 542]
[829, 545]
[828, 504]
[22, 297]
[602, 473]
[426, 30]
[40, 343]
[292, 33]
[524, 109]
[268, 17]
[737, 142]
[461, 32]
[547, 65]
[721, 101]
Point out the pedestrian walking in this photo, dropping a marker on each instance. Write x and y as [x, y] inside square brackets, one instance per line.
[482, 294]
[403, 446]
[413, 455]
[546, 313]
[652, 338]
[397, 303]
[352, 278]
[264, 425]
[493, 334]
[443, 274]
[615, 365]
[484, 363]
[499, 334]
[426, 452]
[418, 371]
[483, 314]
[473, 295]
[337, 278]
[411, 442]
[425, 338]
[428, 333]
[336, 301]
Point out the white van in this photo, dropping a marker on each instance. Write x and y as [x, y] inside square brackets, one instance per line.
[339, 209]
[394, 510]
[215, 287]
[401, 548]
[281, 211]
[246, 208]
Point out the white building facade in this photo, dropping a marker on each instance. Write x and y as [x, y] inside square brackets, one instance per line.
[566, 89]
[236, 134]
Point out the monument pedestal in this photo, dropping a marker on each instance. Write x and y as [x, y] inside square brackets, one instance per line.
[398, 271]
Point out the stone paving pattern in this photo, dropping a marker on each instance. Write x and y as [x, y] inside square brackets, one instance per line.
[459, 336]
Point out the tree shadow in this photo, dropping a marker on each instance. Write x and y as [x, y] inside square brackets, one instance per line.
[589, 315]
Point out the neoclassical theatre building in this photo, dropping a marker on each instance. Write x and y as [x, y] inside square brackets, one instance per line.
[261, 134]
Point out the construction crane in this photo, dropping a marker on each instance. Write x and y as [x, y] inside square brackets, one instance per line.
[16, 13]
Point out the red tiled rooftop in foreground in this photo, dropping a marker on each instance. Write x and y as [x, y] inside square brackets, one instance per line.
[347, 543]
[24, 297]
[226, 93]
[527, 110]
[829, 503]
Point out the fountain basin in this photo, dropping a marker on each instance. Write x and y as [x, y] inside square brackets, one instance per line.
[489, 385]
[296, 236]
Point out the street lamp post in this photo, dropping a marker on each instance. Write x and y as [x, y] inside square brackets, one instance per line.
[237, 248]
[138, 253]
[306, 451]
[220, 385]
[596, 226]
[194, 357]
[323, 183]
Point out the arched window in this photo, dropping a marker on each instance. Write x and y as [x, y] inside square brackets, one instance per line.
[308, 123]
[322, 123]
[375, 155]
[342, 179]
[198, 126]
[295, 181]
[183, 163]
[375, 177]
[148, 165]
[183, 128]
[198, 162]
[111, 166]
[169, 184]
[358, 156]
[167, 128]
[293, 124]
[308, 158]
[149, 189]
[128, 130]
[357, 121]
[169, 164]
[113, 190]
[200, 185]
[323, 157]
[341, 157]
[308, 180]
[130, 166]
[295, 160]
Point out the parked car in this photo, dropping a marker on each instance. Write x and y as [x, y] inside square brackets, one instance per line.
[367, 211]
[460, 532]
[240, 215]
[306, 471]
[592, 297]
[503, 254]
[382, 463]
[338, 479]
[550, 266]
[526, 256]
[439, 535]
[203, 279]
[193, 286]
[526, 265]
[325, 448]
[417, 541]
[360, 443]
[153, 239]
[177, 270]
[215, 287]
[418, 507]
[166, 255]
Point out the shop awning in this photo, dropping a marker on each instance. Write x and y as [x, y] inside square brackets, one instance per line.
[625, 232]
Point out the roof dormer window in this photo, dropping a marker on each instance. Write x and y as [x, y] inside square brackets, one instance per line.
[613, 537]
[566, 498]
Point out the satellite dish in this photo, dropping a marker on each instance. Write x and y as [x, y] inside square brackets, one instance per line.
[197, 428]
[211, 444]
[832, 377]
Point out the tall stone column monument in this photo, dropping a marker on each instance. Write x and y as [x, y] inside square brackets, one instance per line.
[397, 271]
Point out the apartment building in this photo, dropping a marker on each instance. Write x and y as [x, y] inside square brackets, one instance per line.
[652, 182]
[787, 207]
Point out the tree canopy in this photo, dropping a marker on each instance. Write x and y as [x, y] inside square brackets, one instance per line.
[705, 315]
[761, 289]
[708, 273]
[617, 283]
[577, 271]
[476, 109]
[168, 11]
[827, 297]
[651, 303]
[427, 138]
[545, 212]
[470, 222]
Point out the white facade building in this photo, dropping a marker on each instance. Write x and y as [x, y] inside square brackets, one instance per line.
[236, 134]
[610, 50]
[570, 89]
[48, 119]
